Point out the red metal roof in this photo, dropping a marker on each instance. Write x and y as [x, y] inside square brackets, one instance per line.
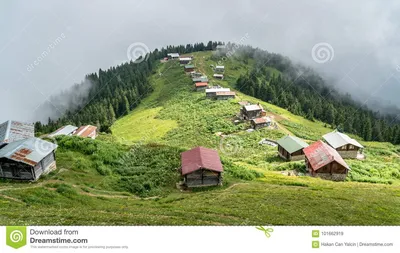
[260, 120]
[320, 154]
[198, 158]
[201, 84]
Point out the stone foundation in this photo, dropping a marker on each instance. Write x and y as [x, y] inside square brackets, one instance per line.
[333, 177]
[348, 154]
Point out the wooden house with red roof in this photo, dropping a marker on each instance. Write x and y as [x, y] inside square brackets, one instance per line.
[87, 132]
[200, 86]
[325, 162]
[201, 167]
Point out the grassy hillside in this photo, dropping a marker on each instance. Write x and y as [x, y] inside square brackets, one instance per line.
[130, 177]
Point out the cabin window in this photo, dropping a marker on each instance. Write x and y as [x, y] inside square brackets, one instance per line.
[351, 147]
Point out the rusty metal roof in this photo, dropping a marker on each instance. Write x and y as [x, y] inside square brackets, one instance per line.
[198, 158]
[29, 151]
[86, 131]
[11, 131]
[225, 93]
[261, 120]
[320, 154]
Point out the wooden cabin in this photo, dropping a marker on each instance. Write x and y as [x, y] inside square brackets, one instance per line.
[185, 60]
[200, 86]
[325, 162]
[224, 95]
[219, 69]
[201, 79]
[173, 56]
[219, 76]
[201, 167]
[211, 93]
[249, 112]
[87, 132]
[346, 146]
[65, 130]
[262, 122]
[291, 148]
[12, 130]
[189, 68]
[27, 159]
[195, 74]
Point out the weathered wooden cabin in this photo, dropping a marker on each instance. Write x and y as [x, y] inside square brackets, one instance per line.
[87, 132]
[218, 76]
[250, 112]
[65, 130]
[219, 69]
[173, 56]
[201, 79]
[325, 162]
[189, 68]
[27, 159]
[262, 122]
[346, 146]
[201, 167]
[224, 95]
[211, 93]
[184, 60]
[12, 130]
[291, 148]
[200, 86]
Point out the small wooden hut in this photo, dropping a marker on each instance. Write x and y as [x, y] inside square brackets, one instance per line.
[201, 167]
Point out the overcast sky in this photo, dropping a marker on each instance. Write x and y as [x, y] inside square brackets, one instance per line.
[362, 39]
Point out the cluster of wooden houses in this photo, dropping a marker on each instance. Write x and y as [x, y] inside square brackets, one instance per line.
[322, 159]
[201, 82]
[25, 157]
[254, 113]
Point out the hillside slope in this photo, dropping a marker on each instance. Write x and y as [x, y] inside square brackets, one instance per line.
[129, 177]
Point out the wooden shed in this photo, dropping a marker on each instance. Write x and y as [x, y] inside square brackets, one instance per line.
[325, 162]
[258, 123]
[219, 69]
[218, 76]
[65, 130]
[27, 159]
[201, 167]
[189, 68]
[346, 146]
[291, 148]
[224, 95]
[87, 132]
[211, 93]
[249, 112]
[184, 60]
[200, 86]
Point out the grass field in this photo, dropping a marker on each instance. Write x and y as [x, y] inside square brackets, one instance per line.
[130, 178]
